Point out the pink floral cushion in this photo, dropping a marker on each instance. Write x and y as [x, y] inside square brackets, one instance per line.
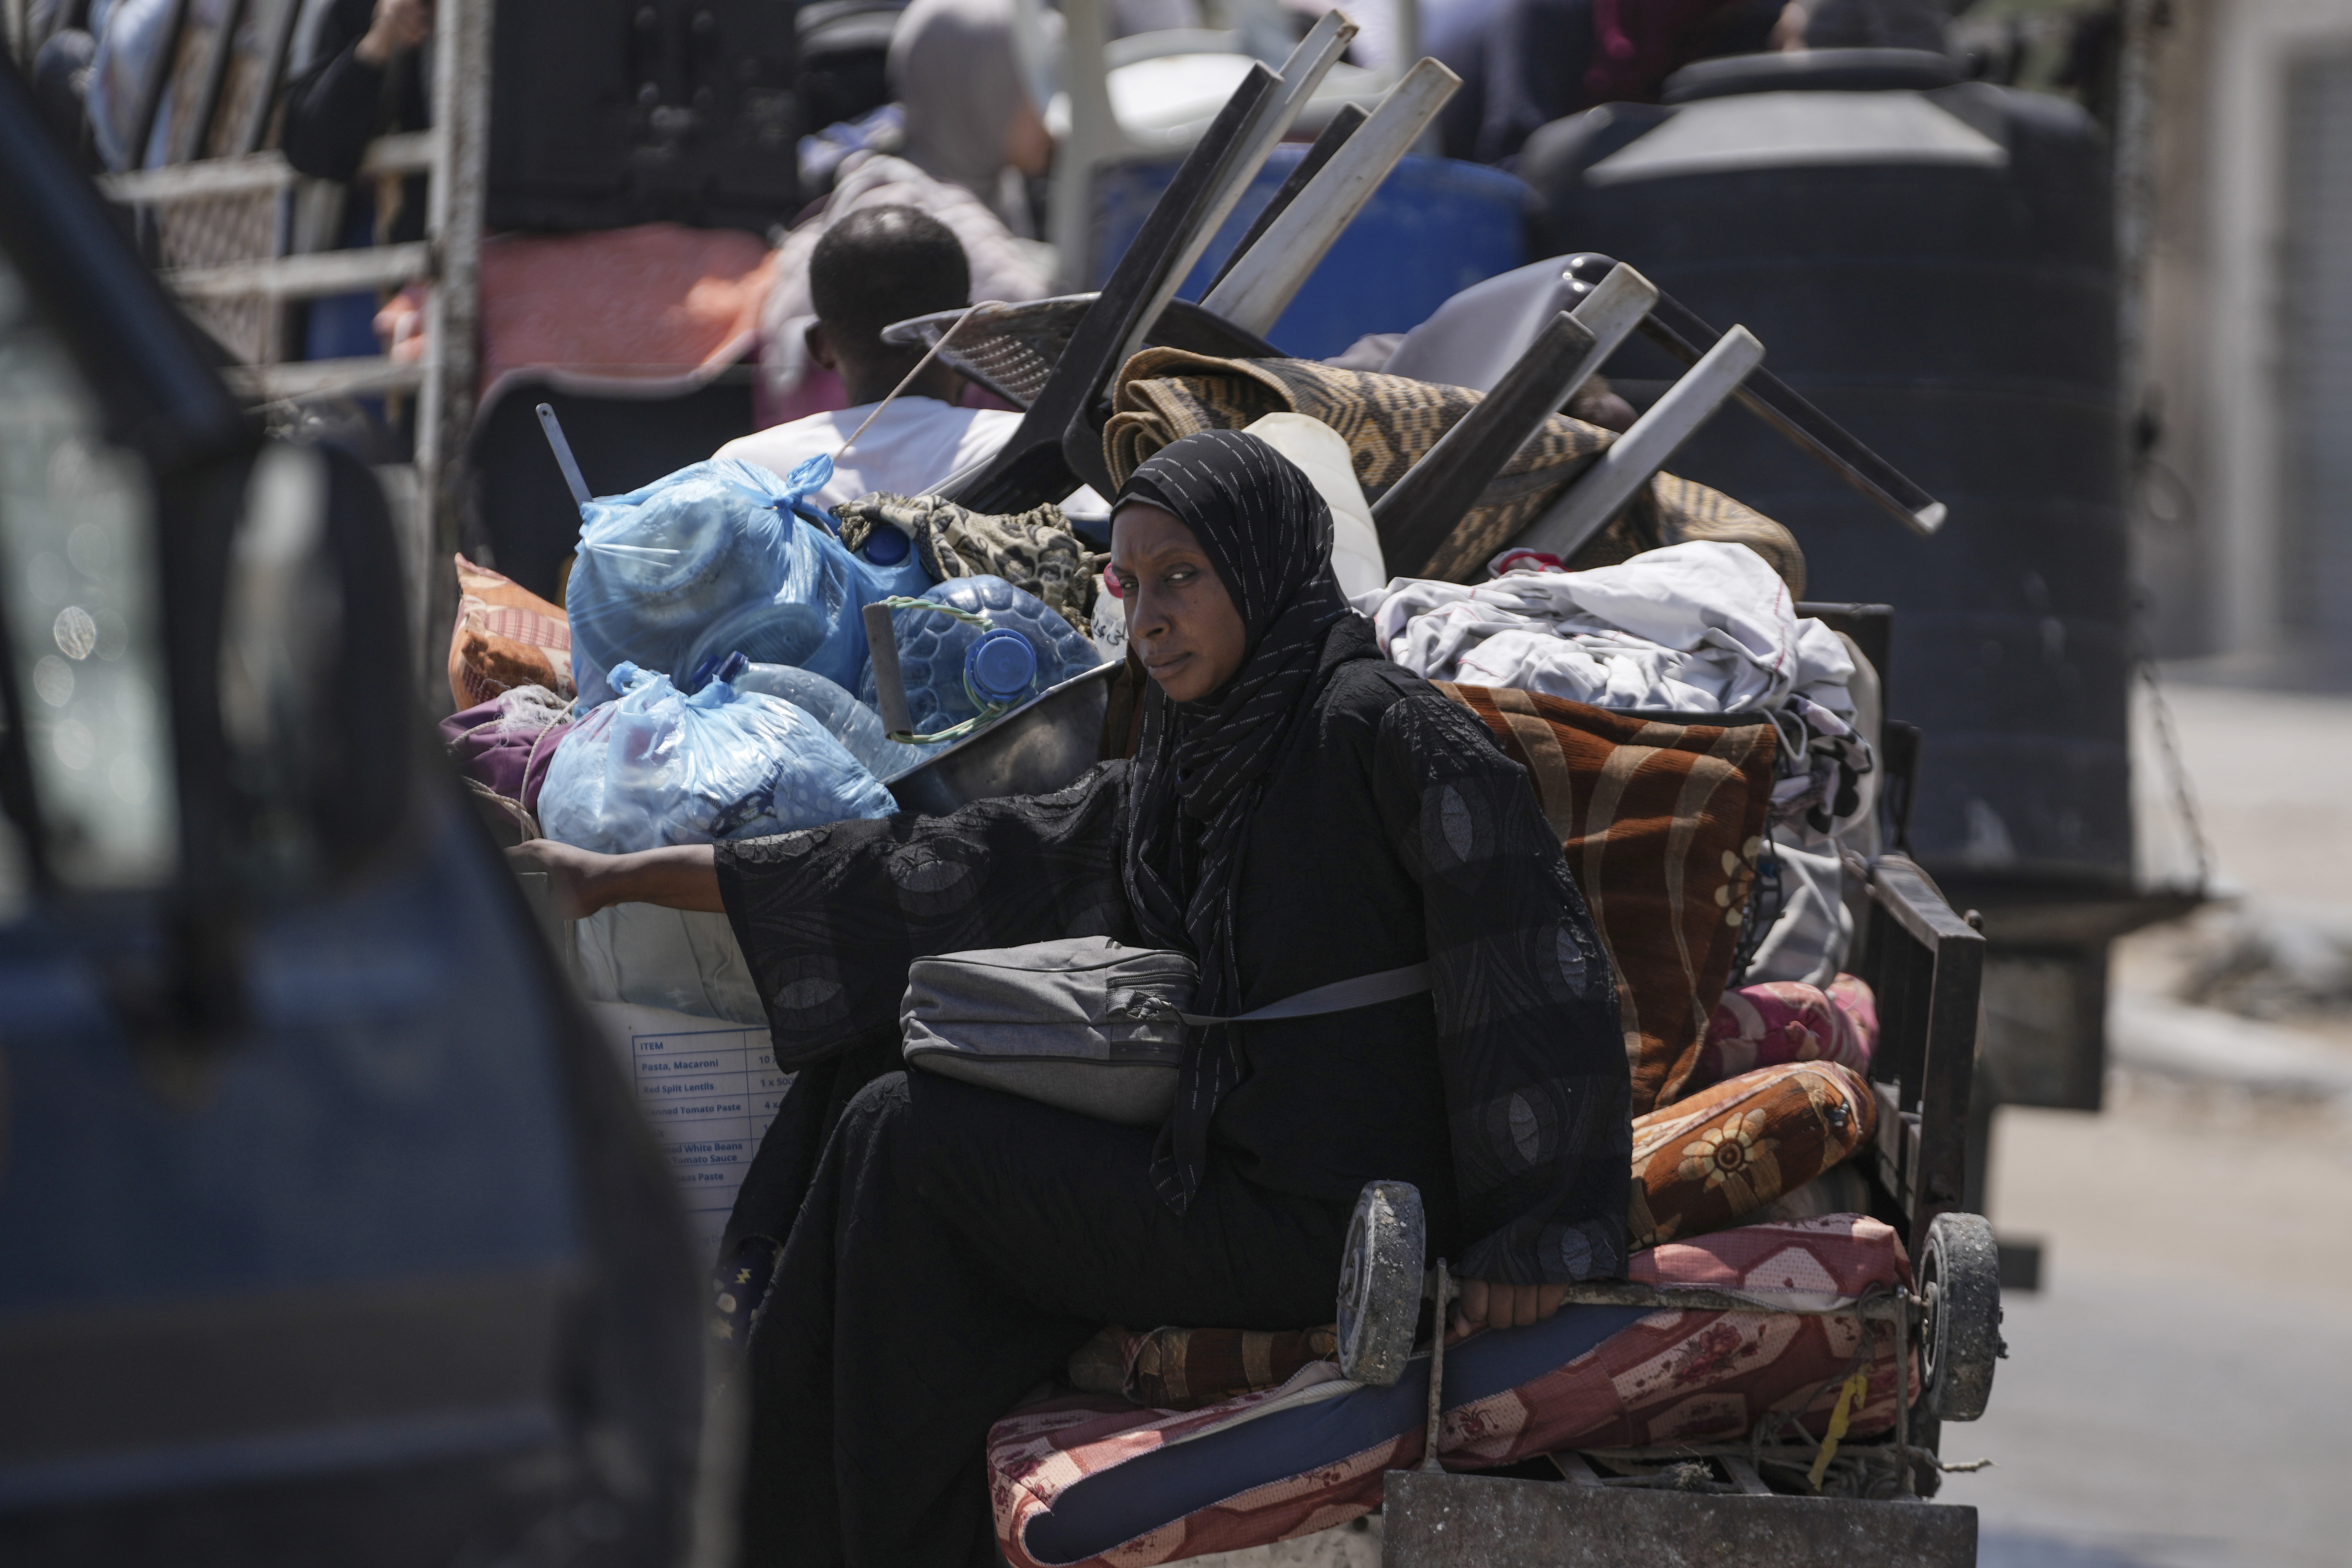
[1788, 1021]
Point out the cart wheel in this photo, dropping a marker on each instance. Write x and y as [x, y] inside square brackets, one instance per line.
[1959, 1279]
[1380, 1283]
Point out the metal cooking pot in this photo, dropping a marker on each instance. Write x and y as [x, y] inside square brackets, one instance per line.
[1038, 747]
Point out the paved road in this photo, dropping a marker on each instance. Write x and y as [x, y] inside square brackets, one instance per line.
[2180, 1394]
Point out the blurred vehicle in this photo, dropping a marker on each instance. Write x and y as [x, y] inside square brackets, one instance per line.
[331, 1231]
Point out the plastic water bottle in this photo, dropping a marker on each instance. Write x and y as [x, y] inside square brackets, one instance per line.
[951, 668]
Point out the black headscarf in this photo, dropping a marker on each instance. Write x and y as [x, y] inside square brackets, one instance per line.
[1201, 765]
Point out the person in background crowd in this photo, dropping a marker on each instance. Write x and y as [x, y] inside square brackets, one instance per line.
[972, 116]
[1873, 24]
[369, 73]
[876, 266]
[1526, 63]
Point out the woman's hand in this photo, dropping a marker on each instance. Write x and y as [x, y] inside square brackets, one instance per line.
[576, 881]
[581, 881]
[1489, 1306]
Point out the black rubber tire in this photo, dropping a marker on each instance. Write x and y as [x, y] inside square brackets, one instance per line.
[1960, 1277]
[1380, 1283]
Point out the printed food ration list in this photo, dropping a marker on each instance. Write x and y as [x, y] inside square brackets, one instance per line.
[710, 1090]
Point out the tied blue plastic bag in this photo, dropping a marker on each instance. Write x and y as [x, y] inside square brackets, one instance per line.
[656, 767]
[931, 648]
[710, 560]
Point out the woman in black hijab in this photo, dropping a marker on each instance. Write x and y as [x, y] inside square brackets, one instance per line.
[1300, 812]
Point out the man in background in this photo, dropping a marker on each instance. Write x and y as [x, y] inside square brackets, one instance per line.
[878, 266]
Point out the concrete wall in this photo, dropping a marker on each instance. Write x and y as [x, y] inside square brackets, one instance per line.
[2218, 548]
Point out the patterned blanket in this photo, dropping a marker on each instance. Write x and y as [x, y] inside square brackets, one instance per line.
[1035, 551]
[1662, 823]
[1705, 1162]
[1390, 422]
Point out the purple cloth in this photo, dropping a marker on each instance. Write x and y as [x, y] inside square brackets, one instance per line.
[513, 764]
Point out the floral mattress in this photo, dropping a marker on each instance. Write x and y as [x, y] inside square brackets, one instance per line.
[1093, 1479]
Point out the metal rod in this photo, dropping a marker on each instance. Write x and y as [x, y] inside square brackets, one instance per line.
[1623, 1293]
[1436, 1368]
[563, 457]
[889, 684]
[462, 31]
[1601, 490]
[1336, 131]
[311, 378]
[1262, 283]
[256, 174]
[1302, 73]
[308, 277]
[1902, 1397]
[907, 380]
[1677, 330]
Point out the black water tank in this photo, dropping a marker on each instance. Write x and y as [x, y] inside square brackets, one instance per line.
[1932, 262]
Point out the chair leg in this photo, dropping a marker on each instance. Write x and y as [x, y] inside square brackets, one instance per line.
[1602, 491]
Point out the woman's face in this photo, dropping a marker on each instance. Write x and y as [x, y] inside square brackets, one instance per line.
[1180, 620]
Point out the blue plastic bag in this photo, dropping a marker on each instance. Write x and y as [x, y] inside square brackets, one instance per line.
[813, 619]
[931, 648]
[657, 565]
[857, 727]
[710, 560]
[657, 767]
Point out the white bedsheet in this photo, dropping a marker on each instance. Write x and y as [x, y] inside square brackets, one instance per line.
[1702, 627]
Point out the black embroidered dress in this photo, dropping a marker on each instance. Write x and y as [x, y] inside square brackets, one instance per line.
[946, 1247]
[1322, 814]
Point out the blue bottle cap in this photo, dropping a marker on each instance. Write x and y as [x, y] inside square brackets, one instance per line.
[999, 666]
[885, 545]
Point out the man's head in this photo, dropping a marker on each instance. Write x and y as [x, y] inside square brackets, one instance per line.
[878, 266]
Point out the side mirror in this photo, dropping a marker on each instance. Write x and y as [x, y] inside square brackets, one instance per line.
[206, 706]
[317, 711]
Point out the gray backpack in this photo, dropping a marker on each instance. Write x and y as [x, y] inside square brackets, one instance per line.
[1084, 1023]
